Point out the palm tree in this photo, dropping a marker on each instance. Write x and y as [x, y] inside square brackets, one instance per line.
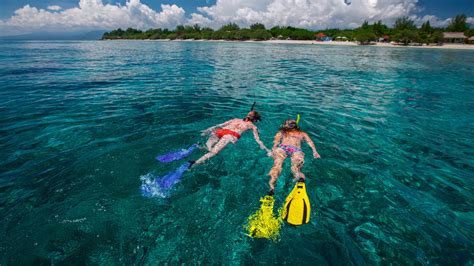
[458, 23]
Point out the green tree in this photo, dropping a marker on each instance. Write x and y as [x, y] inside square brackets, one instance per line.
[404, 23]
[365, 25]
[171, 36]
[458, 23]
[469, 32]
[379, 29]
[189, 29]
[436, 37]
[132, 31]
[179, 30]
[426, 27]
[243, 34]
[364, 37]
[261, 34]
[257, 26]
[216, 35]
[206, 33]
[227, 35]
[230, 27]
[407, 36]
[425, 32]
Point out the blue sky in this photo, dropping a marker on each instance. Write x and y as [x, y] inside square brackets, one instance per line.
[439, 8]
[73, 15]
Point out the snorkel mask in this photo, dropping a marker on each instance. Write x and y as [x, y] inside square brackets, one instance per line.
[291, 124]
[253, 116]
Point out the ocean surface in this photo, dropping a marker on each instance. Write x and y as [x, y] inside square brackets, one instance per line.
[82, 122]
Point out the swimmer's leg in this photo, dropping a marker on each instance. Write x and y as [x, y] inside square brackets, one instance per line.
[217, 148]
[213, 139]
[279, 157]
[297, 162]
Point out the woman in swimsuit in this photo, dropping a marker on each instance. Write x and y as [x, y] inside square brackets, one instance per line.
[229, 132]
[291, 137]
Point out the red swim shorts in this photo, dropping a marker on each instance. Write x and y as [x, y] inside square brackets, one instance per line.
[222, 132]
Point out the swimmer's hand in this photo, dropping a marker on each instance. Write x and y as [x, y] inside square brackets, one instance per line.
[269, 153]
[266, 149]
[316, 155]
[206, 132]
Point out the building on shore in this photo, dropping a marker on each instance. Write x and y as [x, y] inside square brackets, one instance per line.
[471, 40]
[454, 37]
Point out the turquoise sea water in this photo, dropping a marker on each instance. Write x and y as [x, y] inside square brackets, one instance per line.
[81, 122]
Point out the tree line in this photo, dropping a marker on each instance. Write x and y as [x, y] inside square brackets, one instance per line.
[404, 31]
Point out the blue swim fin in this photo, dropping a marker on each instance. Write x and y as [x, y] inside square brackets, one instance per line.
[158, 187]
[176, 155]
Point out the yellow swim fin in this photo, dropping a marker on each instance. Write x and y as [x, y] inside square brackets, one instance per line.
[297, 208]
[263, 223]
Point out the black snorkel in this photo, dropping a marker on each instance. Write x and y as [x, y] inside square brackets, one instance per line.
[255, 117]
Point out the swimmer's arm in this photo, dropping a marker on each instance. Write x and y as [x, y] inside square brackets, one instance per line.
[257, 138]
[311, 144]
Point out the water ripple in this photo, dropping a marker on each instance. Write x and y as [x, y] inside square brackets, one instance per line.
[81, 122]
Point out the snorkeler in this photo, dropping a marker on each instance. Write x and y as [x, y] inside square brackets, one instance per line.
[229, 132]
[291, 137]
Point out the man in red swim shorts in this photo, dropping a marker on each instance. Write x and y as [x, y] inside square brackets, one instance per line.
[229, 132]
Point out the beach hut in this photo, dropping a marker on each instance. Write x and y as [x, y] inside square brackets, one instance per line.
[454, 37]
[280, 37]
[471, 40]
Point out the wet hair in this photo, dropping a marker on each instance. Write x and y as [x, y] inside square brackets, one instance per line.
[289, 126]
[253, 116]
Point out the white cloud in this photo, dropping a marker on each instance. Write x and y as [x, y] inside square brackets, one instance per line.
[434, 21]
[201, 20]
[437, 22]
[54, 8]
[312, 14]
[93, 14]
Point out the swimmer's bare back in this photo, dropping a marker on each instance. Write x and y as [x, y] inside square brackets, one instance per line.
[237, 126]
[295, 139]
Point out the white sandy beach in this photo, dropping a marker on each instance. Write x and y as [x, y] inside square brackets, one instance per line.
[444, 46]
[336, 43]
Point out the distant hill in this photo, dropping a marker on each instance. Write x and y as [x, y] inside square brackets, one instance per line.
[89, 35]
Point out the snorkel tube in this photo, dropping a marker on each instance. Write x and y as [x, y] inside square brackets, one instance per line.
[298, 119]
[254, 115]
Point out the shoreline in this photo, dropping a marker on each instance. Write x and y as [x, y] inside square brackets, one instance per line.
[336, 43]
[313, 42]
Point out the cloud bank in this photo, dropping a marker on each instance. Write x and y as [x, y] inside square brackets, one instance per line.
[93, 14]
[311, 14]
[307, 13]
